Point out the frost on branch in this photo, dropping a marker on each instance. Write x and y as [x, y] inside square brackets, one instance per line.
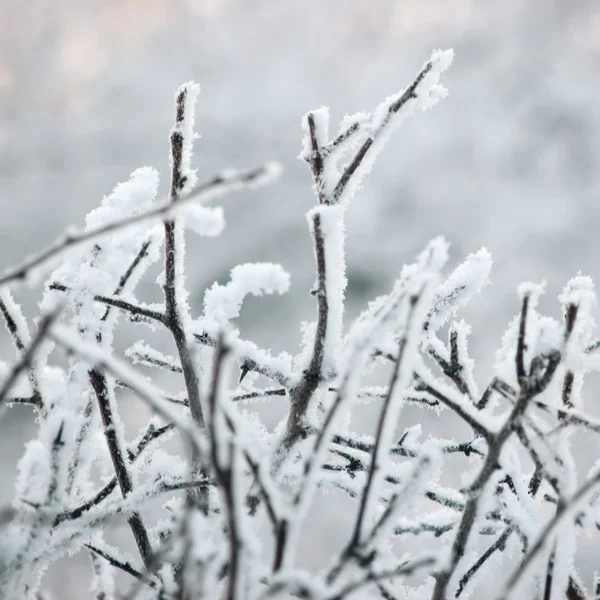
[225, 515]
[223, 302]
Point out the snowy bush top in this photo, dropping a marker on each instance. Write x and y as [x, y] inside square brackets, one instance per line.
[232, 502]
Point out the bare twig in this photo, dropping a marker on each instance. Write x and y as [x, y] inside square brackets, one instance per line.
[521, 346]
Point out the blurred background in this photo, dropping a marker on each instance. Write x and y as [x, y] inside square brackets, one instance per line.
[510, 160]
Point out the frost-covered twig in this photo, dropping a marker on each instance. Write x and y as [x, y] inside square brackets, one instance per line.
[563, 512]
[114, 302]
[19, 332]
[176, 315]
[530, 387]
[423, 92]
[497, 546]
[122, 565]
[390, 411]
[28, 355]
[301, 395]
[146, 392]
[218, 185]
[106, 404]
[225, 457]
[403, 570]
[217, 538]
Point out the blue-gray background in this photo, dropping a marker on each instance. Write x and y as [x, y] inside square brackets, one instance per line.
[510, 160]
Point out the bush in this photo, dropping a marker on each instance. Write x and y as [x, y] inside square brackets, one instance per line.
[234, 502]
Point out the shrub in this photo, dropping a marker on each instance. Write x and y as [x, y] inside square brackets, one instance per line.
[235, 500]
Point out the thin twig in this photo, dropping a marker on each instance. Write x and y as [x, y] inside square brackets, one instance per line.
[225, 471]
[301, 394]
[409, 94]
[562, 512]
[104, 394]
[122, 565]
[19, 339]
[230, 180]
[114, 302]
[28, 355]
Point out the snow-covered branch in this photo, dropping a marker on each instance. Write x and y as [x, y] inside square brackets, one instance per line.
[233, 505]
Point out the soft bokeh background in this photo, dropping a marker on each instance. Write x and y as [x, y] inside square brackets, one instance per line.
[511, 160]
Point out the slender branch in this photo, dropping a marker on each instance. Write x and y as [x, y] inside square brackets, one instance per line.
[114, 302]
[495, 385]
[341, 139]
[27, 357]
[530, 387]
[122, 565]
[151, 434]
[409, 94]
[462, 411]
[19, 339]
[150, 360]
[174, 317]
[142, 253]
[405, 569]
[248, 363]
[258, 394]
[316, 160]
[521, 346]
[357, 536]
[75, 513]
[11, 325]
[219, 184]
[466, 448]
[224, 470]
[301, 394]
[452, 369]
[103, 395]
[31, 400]
[563, 511]
[499, 544]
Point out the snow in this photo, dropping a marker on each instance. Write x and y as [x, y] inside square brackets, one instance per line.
[204, 221]
[98, 272]
[142, 353]
[223, 302]
[129, 197]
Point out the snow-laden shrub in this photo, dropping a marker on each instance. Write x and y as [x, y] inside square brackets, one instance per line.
[235, 501]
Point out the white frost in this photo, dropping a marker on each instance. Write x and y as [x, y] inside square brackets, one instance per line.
[223, 302]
